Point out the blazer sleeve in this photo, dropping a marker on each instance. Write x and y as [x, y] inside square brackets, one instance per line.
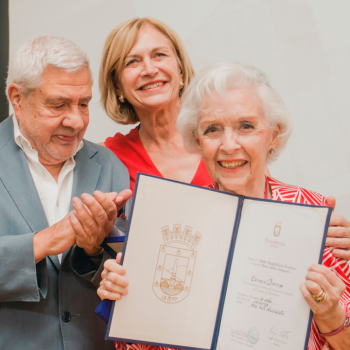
[85, 267]
[21, 279]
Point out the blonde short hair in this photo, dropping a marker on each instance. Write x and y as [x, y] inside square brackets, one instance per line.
[117, 46]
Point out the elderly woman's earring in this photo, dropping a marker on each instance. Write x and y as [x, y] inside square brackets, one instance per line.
[271, 151]
[182, 85]
[121, 98]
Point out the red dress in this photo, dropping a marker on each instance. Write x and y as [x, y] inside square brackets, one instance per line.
[288, 193]
[129, 149]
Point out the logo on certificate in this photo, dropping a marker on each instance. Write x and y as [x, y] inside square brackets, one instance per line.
[175, 265]
[277, 229]
[275, 243]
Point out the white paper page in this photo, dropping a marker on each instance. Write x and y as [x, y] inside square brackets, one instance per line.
[264, 308]
[153, 310]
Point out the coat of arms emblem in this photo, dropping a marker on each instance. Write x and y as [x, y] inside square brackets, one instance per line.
[175, 265]
[277, 229]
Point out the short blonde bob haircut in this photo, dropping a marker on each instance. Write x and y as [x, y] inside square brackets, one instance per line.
[117, 46]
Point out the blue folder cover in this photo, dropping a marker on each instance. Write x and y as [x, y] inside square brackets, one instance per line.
[103, 310]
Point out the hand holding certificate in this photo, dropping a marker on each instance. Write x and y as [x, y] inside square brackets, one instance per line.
[231, 273]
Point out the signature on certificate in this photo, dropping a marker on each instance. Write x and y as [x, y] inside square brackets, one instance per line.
[279, 336]
[175, 264]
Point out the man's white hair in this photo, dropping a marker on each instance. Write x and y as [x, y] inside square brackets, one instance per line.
[31, 58]
[218, 79]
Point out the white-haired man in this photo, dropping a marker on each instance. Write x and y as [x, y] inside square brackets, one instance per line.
[58, 201]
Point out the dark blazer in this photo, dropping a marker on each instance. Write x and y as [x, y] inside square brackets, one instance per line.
[48, 306]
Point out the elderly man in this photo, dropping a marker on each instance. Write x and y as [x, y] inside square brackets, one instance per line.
[58, 201]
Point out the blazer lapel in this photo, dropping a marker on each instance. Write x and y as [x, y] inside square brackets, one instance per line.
[16, 177]
[86, 174]
[55, 262]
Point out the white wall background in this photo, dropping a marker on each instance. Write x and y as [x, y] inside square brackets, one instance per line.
[304, 46]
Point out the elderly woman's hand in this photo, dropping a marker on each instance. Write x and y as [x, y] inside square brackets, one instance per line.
[328, 315]
[113, 285]
[338, 236]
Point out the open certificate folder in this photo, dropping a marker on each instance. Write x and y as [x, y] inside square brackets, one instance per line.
[212, 270]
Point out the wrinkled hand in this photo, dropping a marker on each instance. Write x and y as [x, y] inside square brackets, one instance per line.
[113, 285]
[328, 315]
[54, 240]
[94, 216]
[121, 198]
[338, 236]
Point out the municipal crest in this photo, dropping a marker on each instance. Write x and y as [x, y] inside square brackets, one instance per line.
[175, 265]
[277, 229]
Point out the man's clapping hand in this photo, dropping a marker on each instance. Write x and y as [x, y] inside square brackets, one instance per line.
[94, 216]
[54, 240]
[87, 225]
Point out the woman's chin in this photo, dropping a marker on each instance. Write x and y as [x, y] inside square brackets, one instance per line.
[234, 181]
[156, 101]
[232, 186]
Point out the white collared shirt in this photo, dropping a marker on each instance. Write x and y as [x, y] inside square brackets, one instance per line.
[55, 196]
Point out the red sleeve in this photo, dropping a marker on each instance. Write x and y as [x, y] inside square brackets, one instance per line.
[129, 149]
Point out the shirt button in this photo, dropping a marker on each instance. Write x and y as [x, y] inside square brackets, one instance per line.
[57, 204]
[43, 174]
[66, 316]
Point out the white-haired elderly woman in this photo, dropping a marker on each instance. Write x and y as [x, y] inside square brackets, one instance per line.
[235, 120]
[238, 123]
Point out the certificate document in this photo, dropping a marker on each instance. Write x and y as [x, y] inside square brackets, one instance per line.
[211, 270]
[175, 255]
[276, 243]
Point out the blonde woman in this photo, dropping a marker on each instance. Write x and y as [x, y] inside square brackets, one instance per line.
[144, 70]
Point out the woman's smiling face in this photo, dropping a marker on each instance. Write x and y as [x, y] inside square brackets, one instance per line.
[234, 140]
[151, 75]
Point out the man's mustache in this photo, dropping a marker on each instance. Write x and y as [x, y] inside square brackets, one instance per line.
[66, 132]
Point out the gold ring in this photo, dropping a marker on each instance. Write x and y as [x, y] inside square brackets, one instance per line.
[320, 297]
[319, 294]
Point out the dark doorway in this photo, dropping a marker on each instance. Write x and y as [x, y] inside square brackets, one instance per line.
[4, 56]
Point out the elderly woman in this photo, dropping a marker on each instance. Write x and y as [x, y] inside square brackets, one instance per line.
[144, 70]
[238, 124]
